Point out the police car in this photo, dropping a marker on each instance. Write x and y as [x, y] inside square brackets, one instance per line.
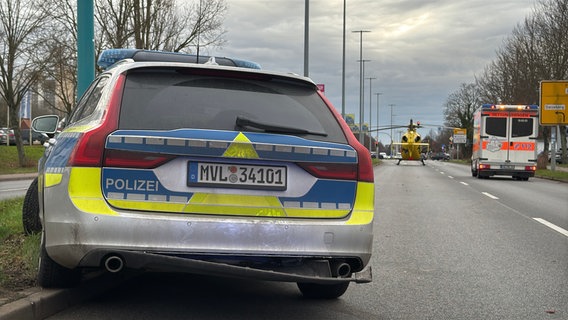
[216, 168]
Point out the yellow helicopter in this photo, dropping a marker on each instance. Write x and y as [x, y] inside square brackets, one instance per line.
[411, 144]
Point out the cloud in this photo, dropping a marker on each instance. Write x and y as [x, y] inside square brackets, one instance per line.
[420, 50]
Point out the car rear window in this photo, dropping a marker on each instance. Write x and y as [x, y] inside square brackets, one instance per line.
[167, 99]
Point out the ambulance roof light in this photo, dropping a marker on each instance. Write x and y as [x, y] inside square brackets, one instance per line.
[509, 106]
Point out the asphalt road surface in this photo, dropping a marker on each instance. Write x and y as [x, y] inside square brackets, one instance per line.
[447, 246]
[14, 188]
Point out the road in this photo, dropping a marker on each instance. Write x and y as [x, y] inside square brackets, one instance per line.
[14, 188]
[447, 246]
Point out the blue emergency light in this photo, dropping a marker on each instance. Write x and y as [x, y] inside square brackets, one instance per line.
[111, 56]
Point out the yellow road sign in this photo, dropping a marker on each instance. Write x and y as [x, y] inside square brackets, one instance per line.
[553, 102]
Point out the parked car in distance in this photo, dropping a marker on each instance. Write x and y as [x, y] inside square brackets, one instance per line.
[35, 136]
[440, 156]
[7, 136]
[557, 156]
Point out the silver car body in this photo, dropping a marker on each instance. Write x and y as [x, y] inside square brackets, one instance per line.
[157, 219]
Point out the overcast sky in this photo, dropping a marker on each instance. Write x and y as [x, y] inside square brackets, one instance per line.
[420, 50]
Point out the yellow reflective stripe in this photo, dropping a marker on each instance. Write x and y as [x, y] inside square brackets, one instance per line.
[236, 211]
[363, 211]
[53, 179]
[235, 200]
[241, 147]
[85, 191]
[81, 128]
[226, 204]
[85, 182]
[315, 213]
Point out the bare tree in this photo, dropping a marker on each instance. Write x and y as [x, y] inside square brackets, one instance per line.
[160, 24]
[21, 23]
[460, 107]
[61, 45]
[113, 18]
[536, 50]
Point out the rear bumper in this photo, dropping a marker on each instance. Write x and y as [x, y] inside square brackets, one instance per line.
[82, 229]
[506, 172]
[314, 271]
[186, 242]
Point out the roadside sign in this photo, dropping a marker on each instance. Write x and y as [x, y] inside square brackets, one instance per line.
[460, 135]
[553, 102]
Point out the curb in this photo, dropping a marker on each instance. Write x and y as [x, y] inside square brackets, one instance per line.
[48, 302]
[18, 176]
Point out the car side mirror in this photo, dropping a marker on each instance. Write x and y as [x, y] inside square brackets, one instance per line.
[45, 124]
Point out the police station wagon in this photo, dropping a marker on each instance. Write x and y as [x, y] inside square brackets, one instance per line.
[229, 170]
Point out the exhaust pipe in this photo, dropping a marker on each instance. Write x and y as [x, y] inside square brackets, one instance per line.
[113, 264]
[342, 270]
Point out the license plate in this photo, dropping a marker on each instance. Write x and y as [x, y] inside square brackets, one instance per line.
[209, 174]
[506, 166]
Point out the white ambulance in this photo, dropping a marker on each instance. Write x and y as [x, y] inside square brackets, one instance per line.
[504, 141]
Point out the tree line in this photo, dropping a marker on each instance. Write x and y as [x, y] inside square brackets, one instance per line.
[536, 50]
[38, 42]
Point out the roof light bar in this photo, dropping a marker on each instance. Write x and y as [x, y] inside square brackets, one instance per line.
[111, 56]
[509, 106]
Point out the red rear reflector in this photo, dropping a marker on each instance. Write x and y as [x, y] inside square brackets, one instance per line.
[138, 160]
[331, 171]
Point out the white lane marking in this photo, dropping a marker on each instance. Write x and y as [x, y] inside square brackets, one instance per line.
[450, 177]
[490, 195]
[552, 226]
[442, 172]
[464, 183]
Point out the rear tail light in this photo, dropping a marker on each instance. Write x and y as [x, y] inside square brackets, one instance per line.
[89, 149]
[484, 166]
[530, 168]
[365, 164]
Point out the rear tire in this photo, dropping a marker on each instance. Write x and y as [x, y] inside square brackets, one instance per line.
[52, 275]
[30, 210]
[322, 291]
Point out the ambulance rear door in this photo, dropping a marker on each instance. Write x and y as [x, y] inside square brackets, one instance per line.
[523, 131]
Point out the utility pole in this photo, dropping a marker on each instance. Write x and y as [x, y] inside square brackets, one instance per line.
[361, 84]
[343, 66]
[307, 39]
[370, 111]
[378, 94]
[391, 105]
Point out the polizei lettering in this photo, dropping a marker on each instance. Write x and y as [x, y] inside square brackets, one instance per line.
[132, 184]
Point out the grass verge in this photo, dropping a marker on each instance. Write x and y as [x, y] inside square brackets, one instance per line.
[9, 163]
[19, 253]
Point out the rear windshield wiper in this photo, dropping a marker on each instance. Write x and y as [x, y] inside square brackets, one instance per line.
[268, 127]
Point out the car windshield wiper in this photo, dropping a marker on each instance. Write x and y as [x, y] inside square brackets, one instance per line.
[268, 127]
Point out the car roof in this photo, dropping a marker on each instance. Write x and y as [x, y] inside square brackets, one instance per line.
[121, 60]
[126, 65]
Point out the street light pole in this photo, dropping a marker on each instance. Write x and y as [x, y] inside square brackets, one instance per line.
[306, 38]
[343, 66]
[370, 111]
[391, 105]
[361, 84]
[378, 94]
